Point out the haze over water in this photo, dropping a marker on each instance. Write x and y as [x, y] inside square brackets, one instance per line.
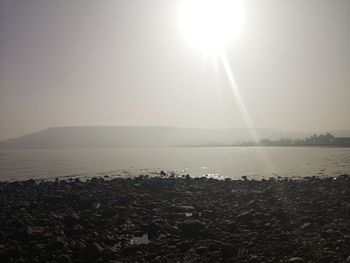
[217, 162]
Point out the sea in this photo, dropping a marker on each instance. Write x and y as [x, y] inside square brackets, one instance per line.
[216, 162]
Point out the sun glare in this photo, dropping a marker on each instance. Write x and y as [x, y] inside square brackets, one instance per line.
[211, 24]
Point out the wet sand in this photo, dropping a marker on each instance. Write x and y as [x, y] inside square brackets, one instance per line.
[176, 220]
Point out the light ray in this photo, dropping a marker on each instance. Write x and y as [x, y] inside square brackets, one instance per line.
[237, 95]
[242, 107]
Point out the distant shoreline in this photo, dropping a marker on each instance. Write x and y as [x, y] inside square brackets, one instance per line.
[273, 146]
[118, 136]
[183, 146]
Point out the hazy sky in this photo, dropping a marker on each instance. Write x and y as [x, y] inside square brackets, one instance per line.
[126, 62]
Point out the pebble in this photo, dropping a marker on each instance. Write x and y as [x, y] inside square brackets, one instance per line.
[296, 260]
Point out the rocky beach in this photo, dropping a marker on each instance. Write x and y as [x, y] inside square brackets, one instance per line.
[170, 219]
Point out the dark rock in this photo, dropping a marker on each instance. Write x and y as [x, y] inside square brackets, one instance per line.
[57, 244]
[63, 259]
[254, 259]
[201, 250]
[72, 219]
[7, 253]
[150, 256]
[17, 223]
[305, 226]
[107, 254]
[245, 216]
[184, 208]
[153, 229]
[279, 214]
[35, 231]
[92, 251]
[108, 211]
[183, 246]
[191, 227]
[228, 251]
[123, 200]
[52, 199]
[129, 250]
[138, 234]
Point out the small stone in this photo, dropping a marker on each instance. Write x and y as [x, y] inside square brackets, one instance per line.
[201, 250]
[245, 216]
[184, 208]
[35, 231]
[305, 226]
[251, 203]
[296, 260]
[64, 259]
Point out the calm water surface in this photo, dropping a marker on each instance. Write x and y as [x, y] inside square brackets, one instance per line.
[254, 162]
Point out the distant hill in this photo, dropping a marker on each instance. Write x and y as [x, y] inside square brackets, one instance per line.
[124, 136]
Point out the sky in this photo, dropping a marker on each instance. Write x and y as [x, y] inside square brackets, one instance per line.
[126, 62]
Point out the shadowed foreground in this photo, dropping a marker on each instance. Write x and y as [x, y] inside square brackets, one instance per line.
[176, 220]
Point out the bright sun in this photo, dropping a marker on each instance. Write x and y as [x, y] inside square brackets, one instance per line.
[211, 24]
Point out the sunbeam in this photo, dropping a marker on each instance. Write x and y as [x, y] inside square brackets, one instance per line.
[239, 100]
[241, 106]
